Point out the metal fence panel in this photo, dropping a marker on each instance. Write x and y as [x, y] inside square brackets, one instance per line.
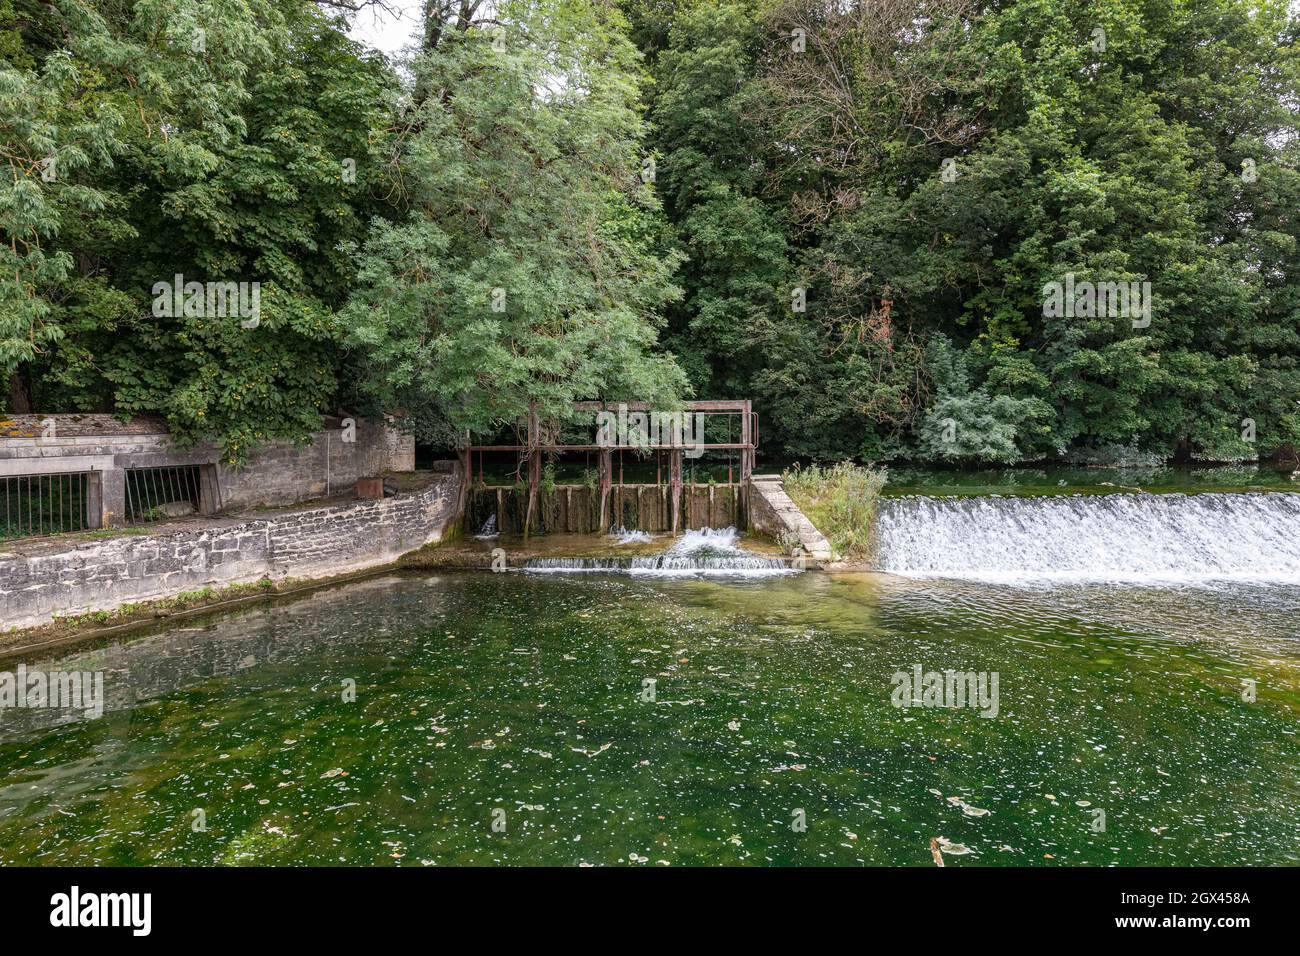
[154, 494]
[32, 505]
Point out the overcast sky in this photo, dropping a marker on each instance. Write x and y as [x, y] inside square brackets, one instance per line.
[391, 33]
[387, 33]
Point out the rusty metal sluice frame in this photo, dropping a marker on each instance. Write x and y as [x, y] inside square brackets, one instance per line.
[531, 452]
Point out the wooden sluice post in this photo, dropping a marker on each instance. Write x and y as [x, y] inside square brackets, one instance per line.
[746, 461]
[606, 468]
[534, 466]
[747, 438]
[675, 486]
[467, 463]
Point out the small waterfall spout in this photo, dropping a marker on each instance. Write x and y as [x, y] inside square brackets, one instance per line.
[489, 529]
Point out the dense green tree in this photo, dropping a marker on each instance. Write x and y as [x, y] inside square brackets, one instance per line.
[710, 169]
[523, 271]
[971, 425]
[206, 139]
[957, 169]
[51, 132]
[277, 207]
[859, 96]
[865, 209]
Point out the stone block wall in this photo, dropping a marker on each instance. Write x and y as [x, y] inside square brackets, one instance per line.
[277, 473]
[773, 513]
[49, 577]
[284, 473]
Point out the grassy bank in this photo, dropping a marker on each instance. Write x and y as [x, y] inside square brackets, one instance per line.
[840, 501]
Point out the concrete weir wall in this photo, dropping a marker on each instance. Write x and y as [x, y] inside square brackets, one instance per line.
[773, 513]
[44, 578]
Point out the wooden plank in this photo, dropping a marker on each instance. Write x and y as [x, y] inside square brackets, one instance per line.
[606, 469]
[675, 488]
[534, 466]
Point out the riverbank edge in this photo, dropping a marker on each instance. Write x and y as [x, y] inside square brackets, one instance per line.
[129, 618]
[49, 588]
[140, 616]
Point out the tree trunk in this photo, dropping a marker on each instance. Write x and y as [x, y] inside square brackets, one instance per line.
[1285, 456]
[20, 396]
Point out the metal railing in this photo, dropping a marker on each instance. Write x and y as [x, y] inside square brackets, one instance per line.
[33, 505]
[154, 494]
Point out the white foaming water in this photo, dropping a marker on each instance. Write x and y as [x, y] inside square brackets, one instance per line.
[708, 552]
[719, 540]
[630, 537]
[1135, 539]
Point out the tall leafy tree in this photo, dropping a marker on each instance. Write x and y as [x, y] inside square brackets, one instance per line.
[712, 159]
[860, 97]
[950, 160]
[523, 272]
[862, 206]
[52, 131]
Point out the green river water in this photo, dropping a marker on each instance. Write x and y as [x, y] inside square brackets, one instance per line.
[517, 699]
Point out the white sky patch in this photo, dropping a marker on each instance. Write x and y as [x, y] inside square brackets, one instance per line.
[388, 32]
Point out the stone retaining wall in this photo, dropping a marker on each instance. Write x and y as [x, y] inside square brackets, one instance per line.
[277, 472]
[42, 579]
[772, 512]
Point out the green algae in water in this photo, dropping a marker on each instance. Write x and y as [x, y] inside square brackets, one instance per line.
[523, 701]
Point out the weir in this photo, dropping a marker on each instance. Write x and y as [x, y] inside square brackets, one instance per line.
[575, 509]
[1121, 538]
[670, 504]
[630, 432]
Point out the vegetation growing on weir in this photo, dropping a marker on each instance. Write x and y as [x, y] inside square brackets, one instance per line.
[840, 501]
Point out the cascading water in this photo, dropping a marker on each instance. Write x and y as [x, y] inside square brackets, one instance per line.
[489, 529]
[1121, 537]
[706, 552]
